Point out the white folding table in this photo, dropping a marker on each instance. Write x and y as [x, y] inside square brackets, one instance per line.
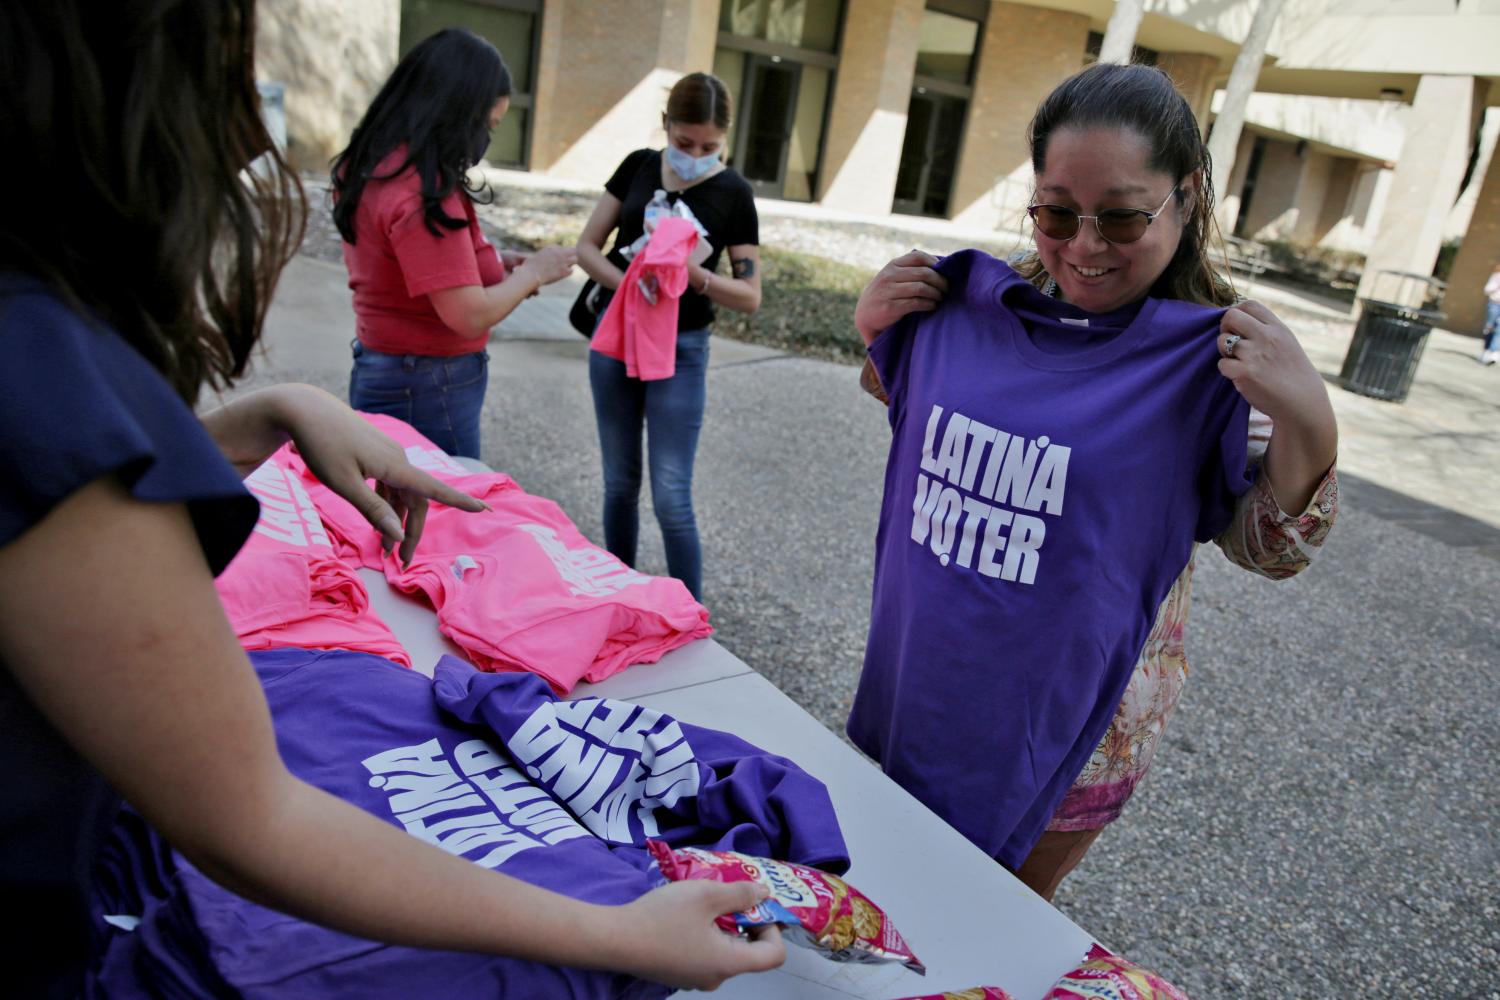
[968, 919]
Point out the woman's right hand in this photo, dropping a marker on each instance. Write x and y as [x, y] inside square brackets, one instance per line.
[669, 935]
[550, 264]
[906, 285]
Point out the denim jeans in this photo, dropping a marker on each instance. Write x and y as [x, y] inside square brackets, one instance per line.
[440, 397]
[1492, 326]
[672, 413]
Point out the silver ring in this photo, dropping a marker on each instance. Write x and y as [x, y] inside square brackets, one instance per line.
[1229, 342]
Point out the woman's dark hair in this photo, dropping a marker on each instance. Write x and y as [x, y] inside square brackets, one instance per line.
[127, 131]
[437, 104]
[1143, 100]
[699, 99]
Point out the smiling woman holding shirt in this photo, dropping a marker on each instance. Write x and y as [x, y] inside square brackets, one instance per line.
[1065, 432]
[688, 170]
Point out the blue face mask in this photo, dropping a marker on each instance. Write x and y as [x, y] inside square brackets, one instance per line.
[687, 167]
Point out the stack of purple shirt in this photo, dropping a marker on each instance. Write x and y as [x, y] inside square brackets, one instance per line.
[490, 767]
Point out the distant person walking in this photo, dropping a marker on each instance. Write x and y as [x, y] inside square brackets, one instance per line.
[427, 284]
[1491, 352]
[671, 410]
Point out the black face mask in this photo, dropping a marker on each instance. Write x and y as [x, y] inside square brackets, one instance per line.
[481, 143]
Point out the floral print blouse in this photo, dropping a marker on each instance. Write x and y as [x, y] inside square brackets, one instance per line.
[1262, 539]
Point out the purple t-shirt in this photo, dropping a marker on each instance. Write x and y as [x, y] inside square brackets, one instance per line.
[1049, 472]
[490, 767]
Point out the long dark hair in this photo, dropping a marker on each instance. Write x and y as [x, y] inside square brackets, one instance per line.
[127, 130]
[1143, 100]
[437, 104]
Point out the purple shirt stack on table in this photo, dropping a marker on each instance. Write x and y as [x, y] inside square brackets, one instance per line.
[490, 767]
[1049, 472]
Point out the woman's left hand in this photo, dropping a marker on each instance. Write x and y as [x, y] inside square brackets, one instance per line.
[343, 451]
[513, 259]
[1268, 366]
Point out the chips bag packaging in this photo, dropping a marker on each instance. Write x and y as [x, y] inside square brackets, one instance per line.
[977, 993]
[1106, 976]
[815, 909]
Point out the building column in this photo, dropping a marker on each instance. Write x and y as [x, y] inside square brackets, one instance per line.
[1429, 172]
[1477, 256]
[867, 125]
[1229, 209]
[1237, 91]
[1024, 54]
[1193, 73]
[332, 56]
[1312, 192]
[603, 74]
[1119, 33]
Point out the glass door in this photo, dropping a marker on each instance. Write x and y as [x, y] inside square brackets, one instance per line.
[765, 126]
[929, 155]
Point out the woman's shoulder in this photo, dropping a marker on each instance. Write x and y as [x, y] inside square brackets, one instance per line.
[121, 417]
[735, 181]
[638, 158]
[55, 350]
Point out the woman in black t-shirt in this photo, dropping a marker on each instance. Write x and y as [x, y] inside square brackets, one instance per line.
[671, 410]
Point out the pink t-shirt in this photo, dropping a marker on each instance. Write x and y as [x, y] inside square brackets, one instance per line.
[518, 587]
[396, 262]
[288, 587]
[635, 331]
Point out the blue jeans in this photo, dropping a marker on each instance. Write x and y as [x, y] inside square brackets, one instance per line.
[1492, 326]
[440, 397]
[672, 412]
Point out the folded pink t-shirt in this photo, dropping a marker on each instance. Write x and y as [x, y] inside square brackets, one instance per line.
[518, 587]
[288, 587]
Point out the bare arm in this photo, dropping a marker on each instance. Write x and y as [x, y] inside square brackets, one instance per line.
[603, 221]
[119, 640]
[470, 310]
[741, 292]
[341, 449]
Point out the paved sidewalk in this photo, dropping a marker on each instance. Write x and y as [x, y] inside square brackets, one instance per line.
[1320, 821]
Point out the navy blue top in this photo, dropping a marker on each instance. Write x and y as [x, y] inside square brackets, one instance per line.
[77, 403]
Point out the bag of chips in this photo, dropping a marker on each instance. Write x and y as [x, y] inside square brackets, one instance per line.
[1106, 976]
[977, 993]
[815, 909]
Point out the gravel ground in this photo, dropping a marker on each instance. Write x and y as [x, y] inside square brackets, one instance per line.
[1321, 821]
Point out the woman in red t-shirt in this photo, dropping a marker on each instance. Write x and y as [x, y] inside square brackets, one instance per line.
[427, 284]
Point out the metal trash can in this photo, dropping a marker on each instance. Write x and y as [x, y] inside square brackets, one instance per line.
[1389, 339]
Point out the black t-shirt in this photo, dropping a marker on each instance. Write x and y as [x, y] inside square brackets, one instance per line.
[724, 204]
[78, 403]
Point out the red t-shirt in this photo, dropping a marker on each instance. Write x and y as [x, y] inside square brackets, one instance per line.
[397, 262]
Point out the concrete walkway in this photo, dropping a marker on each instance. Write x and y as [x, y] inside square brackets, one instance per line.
[1320, 820]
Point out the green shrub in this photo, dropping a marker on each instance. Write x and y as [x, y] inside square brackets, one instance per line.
[806, 307]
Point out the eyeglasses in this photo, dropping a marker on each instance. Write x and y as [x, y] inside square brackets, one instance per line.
[1115, 225]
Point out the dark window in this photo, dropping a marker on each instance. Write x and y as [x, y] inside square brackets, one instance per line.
[1144, 56]
[776, 56]
[803, 24]
[512, 26]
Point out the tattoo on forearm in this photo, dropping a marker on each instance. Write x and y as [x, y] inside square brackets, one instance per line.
[744, 267]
